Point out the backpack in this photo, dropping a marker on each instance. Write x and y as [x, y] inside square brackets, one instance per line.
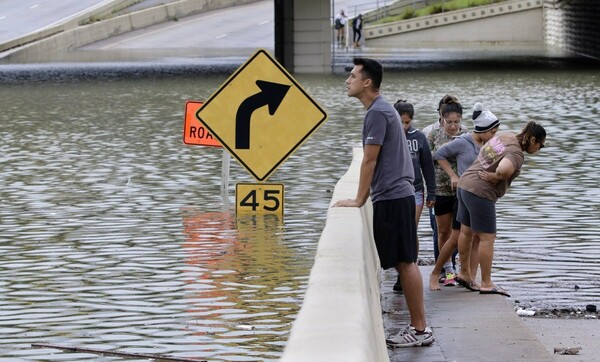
[338, 23]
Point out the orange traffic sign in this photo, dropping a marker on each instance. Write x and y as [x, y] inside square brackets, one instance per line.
[261, 115]
[194, 132]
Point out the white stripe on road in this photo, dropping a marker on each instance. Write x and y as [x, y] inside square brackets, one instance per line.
[34, 6]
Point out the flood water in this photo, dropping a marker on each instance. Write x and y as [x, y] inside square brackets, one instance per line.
[114, 234]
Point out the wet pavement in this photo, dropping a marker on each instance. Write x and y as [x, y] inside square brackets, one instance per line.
[471, 327]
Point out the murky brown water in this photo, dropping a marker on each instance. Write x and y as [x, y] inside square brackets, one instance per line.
[114, 235]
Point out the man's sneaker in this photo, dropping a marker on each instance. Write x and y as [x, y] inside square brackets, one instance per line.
[450, 281]
[398, 286]
[409, 337]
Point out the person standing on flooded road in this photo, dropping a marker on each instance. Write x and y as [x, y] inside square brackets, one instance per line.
[386, 175]
[499, 162]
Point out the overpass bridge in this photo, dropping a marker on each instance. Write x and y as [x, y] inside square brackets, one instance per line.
[303, 29]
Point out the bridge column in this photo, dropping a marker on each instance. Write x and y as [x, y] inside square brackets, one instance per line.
[303, 35]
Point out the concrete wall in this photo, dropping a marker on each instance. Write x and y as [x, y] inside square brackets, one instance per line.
[340, 319]
[518, 22]
[102, 9]
[77, 36]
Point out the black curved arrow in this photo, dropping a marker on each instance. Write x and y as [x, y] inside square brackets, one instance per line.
[270, 94]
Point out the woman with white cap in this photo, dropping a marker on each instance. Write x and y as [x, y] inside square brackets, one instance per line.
[499, 162]
[463, 150]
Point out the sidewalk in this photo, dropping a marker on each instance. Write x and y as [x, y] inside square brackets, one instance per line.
[471, 327]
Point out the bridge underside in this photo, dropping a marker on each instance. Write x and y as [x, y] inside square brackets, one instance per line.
[574, 25]
[303, 32]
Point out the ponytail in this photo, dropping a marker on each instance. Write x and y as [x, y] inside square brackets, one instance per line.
[530, 130]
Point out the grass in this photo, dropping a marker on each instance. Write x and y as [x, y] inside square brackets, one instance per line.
[437, 8]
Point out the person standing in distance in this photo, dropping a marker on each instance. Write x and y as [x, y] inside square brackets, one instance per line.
[340, 27]
[386, 174]
[357, 26]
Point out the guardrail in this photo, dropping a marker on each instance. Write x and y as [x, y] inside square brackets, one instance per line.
[340, 318]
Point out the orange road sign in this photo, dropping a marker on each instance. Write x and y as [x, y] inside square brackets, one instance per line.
[194, 132]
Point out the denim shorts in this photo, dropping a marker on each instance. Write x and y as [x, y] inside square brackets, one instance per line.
[419, 198]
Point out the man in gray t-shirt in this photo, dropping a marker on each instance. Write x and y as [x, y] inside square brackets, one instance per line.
[386, 174]
[394, 172]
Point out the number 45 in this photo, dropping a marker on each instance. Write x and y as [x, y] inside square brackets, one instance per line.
[259, 198]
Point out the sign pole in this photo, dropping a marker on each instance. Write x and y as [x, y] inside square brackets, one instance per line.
[225, 176]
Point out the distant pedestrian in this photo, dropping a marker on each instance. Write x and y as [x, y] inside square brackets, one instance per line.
[422, 165]
[499, 162]
[464, 150]
[357, 25]
[386, 175]
[340, 27]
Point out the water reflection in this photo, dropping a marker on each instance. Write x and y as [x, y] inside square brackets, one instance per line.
[113, 234]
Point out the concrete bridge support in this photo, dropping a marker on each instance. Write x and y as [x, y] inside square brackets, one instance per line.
[303, 35]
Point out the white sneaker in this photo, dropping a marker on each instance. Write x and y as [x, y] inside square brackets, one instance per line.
[409, 337]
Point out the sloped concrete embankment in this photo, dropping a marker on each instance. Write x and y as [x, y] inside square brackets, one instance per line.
[340, 319]
[72, 36]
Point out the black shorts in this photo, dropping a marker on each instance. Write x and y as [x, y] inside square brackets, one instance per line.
[395, 231]
[445, 205]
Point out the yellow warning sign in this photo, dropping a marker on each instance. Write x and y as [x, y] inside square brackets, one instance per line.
[261, 115]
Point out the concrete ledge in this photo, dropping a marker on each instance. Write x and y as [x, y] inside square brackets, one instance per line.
[69, 36]
[340, 319]
[101, 10]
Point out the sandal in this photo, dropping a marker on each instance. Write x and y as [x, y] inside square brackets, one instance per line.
[469, 285]
[495, 290]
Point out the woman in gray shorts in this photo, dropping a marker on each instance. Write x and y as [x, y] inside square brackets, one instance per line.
[499, 162]
[464, 151]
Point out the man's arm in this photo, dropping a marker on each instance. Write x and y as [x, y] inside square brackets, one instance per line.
[367, 169]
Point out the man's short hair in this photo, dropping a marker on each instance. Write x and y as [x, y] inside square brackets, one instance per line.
[371, 69]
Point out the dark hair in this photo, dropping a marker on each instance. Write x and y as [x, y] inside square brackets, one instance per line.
[371, 69]
[403, 106]
[531, 129]
[451, 105]
[446, 99]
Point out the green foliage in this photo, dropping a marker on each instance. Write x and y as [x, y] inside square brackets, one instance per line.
[439, 7]
[409, 13]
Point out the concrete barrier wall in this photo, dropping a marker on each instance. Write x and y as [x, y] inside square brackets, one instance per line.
[87, 34]
[513, 22]
[98, 11]
[340, 319]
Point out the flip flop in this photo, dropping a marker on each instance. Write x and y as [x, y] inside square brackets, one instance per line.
[495, 290]
[469, 285]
